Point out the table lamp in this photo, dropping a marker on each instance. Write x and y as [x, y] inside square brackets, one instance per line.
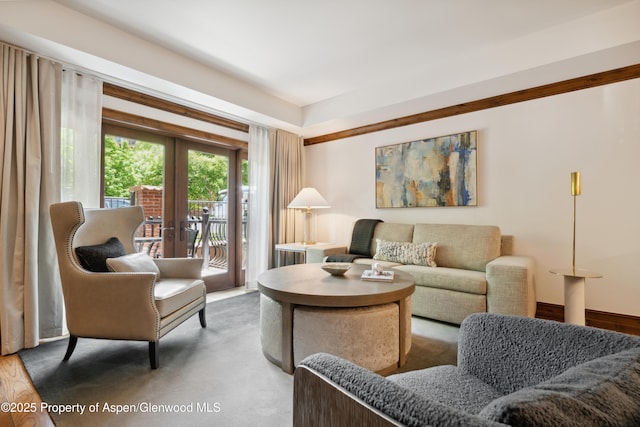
[308, 198]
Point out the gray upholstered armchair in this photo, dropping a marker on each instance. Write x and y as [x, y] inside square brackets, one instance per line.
[111, 291]
[511, 371]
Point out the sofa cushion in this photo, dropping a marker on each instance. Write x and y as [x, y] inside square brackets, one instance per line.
[136, 263]
[449, 386]
[453, 279]
[469, 247]
[94, 257]
[406, 252]
[391, 232]
[601, 392]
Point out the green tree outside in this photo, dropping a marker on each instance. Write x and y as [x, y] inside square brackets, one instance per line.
[129, 163]
[211, 173]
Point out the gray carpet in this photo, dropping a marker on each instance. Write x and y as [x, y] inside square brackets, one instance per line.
[215, 376]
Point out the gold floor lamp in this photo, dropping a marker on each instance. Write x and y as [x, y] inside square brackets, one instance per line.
[574, 280]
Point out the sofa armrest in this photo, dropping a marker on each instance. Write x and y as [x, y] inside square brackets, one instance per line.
[330, 391]
[317, 254]
[510, 288]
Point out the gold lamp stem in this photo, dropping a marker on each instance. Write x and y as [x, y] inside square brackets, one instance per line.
[573, 258]
[308, 219]
[575, 191]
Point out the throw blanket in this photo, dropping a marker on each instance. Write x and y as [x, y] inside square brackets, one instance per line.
[360, 241]
[343, 257]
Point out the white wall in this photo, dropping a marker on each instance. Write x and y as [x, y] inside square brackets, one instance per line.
[526, 152]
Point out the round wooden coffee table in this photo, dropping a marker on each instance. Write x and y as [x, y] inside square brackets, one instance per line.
[304, 308]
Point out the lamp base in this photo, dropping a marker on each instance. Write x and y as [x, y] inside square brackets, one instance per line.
[309, 228]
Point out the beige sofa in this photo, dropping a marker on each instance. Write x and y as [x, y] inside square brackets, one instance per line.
[476, 270]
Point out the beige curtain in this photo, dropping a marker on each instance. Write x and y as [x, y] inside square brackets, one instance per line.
[287, 160]
[30, 296]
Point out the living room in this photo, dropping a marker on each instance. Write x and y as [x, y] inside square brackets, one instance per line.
[526, 150]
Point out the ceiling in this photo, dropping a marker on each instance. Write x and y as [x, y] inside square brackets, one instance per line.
[330, 58]
[306, 51]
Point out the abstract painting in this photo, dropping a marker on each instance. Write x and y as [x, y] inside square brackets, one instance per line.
[429, 172]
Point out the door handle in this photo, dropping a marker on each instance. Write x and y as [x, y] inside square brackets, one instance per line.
[183, 228]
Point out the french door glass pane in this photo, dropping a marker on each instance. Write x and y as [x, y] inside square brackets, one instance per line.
[209, 209]
[134, 175]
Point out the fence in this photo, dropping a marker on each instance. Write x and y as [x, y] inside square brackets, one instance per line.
[195, 208]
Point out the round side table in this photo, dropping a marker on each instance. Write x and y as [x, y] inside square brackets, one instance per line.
[574, 280]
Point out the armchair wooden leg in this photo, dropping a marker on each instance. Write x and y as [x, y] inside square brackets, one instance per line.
[154, 354]
[203, 318]
[73, 340]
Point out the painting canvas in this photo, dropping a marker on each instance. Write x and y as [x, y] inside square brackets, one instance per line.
[430, 172]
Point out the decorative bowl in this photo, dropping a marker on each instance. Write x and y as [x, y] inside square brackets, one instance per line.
[336, 268]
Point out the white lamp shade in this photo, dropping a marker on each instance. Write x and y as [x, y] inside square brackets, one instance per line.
[309, 198]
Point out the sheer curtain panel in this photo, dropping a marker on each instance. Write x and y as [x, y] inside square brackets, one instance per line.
[258, 240]
[30, 296]
[81, 134]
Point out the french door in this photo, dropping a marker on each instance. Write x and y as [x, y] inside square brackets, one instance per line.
[191, 194]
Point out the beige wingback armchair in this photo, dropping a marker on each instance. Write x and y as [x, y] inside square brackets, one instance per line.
[141, 299]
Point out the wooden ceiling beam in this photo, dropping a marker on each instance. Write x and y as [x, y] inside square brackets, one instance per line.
[139, 122]
[172, 107]
[565, 86]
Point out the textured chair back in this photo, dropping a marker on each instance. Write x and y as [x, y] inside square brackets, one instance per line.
[513, 352]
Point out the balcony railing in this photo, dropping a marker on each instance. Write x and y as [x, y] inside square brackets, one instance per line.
[206, 238]
[195, 208]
